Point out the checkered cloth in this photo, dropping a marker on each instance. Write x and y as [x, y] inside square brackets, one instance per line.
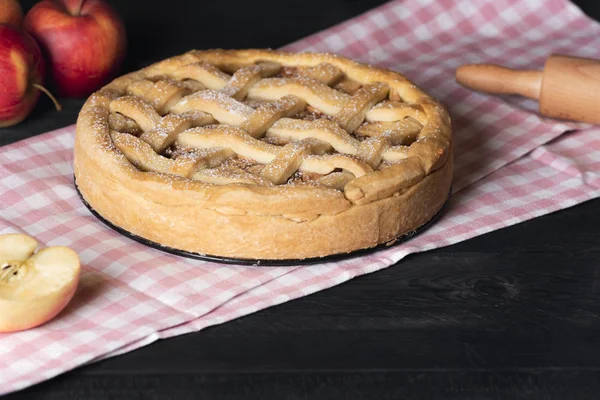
[511, 165]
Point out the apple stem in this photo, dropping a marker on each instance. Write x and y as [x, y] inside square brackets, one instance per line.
[43, 89]
[80, 7]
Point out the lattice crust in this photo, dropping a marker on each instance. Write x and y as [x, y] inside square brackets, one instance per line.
[273, 119]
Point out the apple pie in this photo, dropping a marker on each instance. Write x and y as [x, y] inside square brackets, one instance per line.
[261, 154]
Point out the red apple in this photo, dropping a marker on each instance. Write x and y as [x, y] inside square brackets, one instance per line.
[84, 39]
[21, 74]
[11, 12]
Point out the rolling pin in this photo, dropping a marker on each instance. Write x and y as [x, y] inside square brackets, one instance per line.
[567, 88]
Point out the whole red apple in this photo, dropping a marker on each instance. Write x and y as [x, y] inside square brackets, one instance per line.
[84, 39]
[21, 74]
[11, 12]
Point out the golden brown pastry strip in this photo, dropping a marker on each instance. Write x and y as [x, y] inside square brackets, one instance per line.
[315, 93]
[389, 111]
[222, 107]
[407, 128]
[268, 113]
[324, 72]
[140, 154]
[205, 73]
[385, 182]
[327, 164]
[170, 126]
[230, 137]
[161, 95]
[353, 112]
[336, 180]
[244, 78]
[290, 158]
[321, 129]
[120, 123]
[136, 109]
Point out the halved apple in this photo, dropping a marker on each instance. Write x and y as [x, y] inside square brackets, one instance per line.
[34, 287]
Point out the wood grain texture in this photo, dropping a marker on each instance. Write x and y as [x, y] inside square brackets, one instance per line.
[510, 314]
[571, 89]
[377, 385]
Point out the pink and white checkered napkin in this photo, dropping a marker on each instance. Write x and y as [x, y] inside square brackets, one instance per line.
[511, 165]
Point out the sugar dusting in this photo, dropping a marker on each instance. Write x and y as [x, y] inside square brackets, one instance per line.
[288, 77]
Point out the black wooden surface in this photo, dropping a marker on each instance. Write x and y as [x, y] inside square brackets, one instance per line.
[511, 314]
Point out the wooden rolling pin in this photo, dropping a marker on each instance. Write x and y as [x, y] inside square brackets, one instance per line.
[567, 88]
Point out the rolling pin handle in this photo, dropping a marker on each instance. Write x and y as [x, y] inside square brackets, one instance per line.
[495, 79]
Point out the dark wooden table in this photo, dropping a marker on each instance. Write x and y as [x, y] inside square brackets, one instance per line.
[511, 314]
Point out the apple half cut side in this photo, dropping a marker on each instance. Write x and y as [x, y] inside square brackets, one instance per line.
[34, 287]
